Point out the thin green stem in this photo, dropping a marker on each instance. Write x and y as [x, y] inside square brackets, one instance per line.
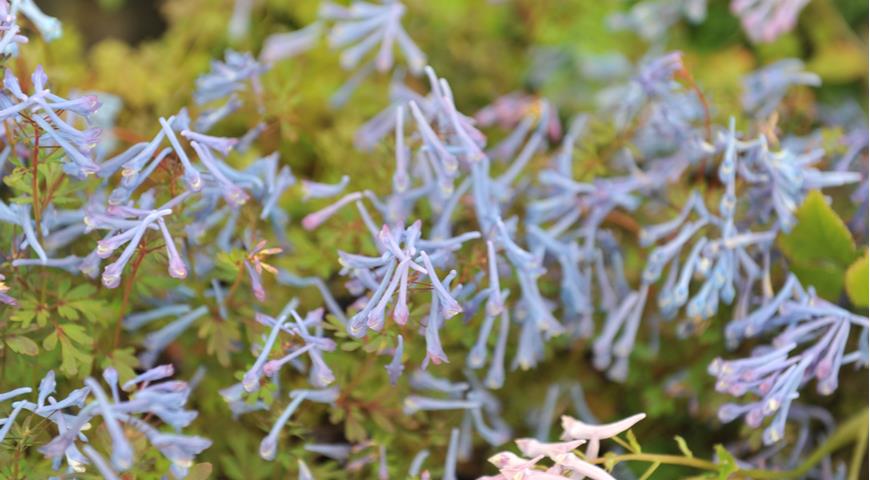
[858, 455]
[661, 458]
[850, 431]
[854, 430]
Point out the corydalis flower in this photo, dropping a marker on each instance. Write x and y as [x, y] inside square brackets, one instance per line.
[566, 464]
[20, 215]
[43, 110]
[323, 190]
[162, 401]
[269, 444]
[531, 447]
[482, 410]
[764, 89]
[4, 297]
[733, 263]
[228, 77]
[279, 46]
[765, 20]
[389, 274]
[240, 21]
[652, 19]
[782, 180]
[777, 372]
[255, 265]
[10, 30]
[519, 112]
[135, 222]
[313, 220]
[366, 25]
[48, 26]
[312, 345]
[395, 368]
[577, 430]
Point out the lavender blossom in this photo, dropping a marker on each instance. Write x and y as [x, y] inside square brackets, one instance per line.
[395, 368]
[777, 372]
[765, 89]
[280, 46]
[371, 25]
[269, 444]
[765, 20]
[228, 77]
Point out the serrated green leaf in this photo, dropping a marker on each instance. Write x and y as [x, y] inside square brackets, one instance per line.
[25, 315]
[382, 421]
[62, 287]
[76, 333]
[69, 358]
[82, 291]
[50, 342]
[90, 308]
[124, 361]
[220, 338]
[353, 427]
[42, 316]
[67, 312]
[22, 345]
[268, 396]
[820, 247]
[857, 283]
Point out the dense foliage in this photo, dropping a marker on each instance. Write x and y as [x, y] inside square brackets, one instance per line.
[398, 239]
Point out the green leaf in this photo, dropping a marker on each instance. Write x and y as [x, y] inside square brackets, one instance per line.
[22, 345]
[350, 346]
[856, 282]
[68, 312]
[69, 357]
[820, 247]
[220, 338]
[90, 308]
[727, 465]
[681, 443]
[76, 333]
[42, 316]
[83, 291]
[124, 361]
[839, 62]
[24, 315]
[62, 287]
[50, 342]
[353, 427]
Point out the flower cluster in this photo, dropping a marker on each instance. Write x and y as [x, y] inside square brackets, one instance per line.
[127, 408]
[48, 26]
[811, 343]
[566, 464]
